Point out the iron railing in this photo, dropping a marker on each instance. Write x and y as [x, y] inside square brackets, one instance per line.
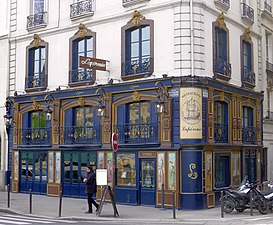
[81, 8]
[223, 2]
[267, 7]
[36, 136]
[269, 66]
[81, 135]
[80, 75]
[248, 76]
[221, 133]
[247, 12]
[36, 80]
[249, 135]
[134, 67]
[137, 133]
[222, 67]
[36, 19]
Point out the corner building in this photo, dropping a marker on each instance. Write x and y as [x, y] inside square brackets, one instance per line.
[181, 87]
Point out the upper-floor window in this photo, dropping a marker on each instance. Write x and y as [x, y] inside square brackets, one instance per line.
[82, 46]
[249, 131]
[137, 49]
[220, 122]
[36, 78]
[247, 12]
[37, 15]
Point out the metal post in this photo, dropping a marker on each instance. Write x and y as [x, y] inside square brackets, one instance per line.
[222, 204]
[251, 203]
[174, 205]
[8, 195]
[162, 196]
[60, 204]
[30, 201]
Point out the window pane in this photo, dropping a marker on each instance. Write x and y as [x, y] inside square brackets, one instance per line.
[126, 173]
[75, 160]
[38, 6]
[44, 166]
[146, 48]
[222, 178]
[42, 119]
[134, 113]
[35, 120]
[135, 50]
[43, 53]
[135, 35]
[89, 54]
[145, 112]
[42, 66]
[89, 44]
[81, 46]
[79, 117]
[37, 54]
[67, 165]
[148, 170]
[89, 116]
[146, 33]
[36, 67]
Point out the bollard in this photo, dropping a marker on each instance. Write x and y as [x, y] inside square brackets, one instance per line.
[30, 201]
[222, 204]
[60, 204]
[162, 196]
[174, 206]
[251, 203]
[8, 195]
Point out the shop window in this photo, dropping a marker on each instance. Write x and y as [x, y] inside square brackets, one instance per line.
[222, 170]
[137, 50]
[248, 129]
[126, 171]
[220, 122]
[251, 165]
[82, 45]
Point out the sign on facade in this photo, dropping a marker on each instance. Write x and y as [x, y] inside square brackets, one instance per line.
[92, 63]
[101, 176]
[190, 113]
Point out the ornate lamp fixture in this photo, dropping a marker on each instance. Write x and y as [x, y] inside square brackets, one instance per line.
[162, 94]
[8, 116]
[49, 106]
[101, 101]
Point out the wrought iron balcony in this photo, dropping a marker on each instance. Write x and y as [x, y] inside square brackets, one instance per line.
[130, 2]
[247, 12]
[81, 75]
[220, 133]
[36, 81]
[36, 136]
[248, 76]
[137, 133]
[249, 135]
[81, 135]
[223, 67]
[267, 7]
[222, 3]
[81, 8]
[135, 67]
[269, 66]
[36, 20]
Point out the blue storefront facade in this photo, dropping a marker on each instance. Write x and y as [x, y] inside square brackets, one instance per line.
[192, 136]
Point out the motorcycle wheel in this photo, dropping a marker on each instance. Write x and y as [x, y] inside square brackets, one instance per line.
[262, 207]
[240, 209]
[227, 207]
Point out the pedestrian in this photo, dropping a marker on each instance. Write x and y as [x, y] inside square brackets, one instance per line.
[91, 188]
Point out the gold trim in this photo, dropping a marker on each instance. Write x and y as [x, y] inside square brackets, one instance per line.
[36, 40]
[81, 101]
[136, 96]
[221, 20]
[136, 17]
[35, 105]
[82, 30]
[247, 35]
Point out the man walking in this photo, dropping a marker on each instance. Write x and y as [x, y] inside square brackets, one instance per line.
[91, 188]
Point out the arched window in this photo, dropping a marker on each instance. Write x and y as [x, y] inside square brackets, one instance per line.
[249, 131]
[220, 122]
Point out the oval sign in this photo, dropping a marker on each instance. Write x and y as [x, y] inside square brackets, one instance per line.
[114, 142]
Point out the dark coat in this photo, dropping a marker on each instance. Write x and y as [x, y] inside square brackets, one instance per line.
[91, 185]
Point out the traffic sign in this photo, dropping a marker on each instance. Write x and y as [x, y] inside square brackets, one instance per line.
[114, 142]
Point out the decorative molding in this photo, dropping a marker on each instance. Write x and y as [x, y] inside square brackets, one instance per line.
[136, 96]
[136, 17]
[82, 30]
[247, 35]
[81, 101]
[36, 41]
[35, 105]
[222, 96]
[221, 21]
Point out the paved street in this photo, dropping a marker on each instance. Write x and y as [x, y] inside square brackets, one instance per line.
[45, 210]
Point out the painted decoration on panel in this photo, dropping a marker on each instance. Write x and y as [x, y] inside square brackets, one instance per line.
[50, 167]
[147, 168]
[126, 170]
[16, 165]
[101, 160]
[208, 171]
[172, 168]
[160, 170]
[235, 160]
[58, 168]
[190, 113]
[109, 167]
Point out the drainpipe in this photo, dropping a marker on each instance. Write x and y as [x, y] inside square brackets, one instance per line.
[191, 39]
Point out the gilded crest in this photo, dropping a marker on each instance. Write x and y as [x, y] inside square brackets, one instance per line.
[193, 174]
[221, 20]
[247, 35]
[222, 96]
[36, 40]
[136, 17]
[81, 102]
[82, 30]
[35, 105]
[248, 102]
[136, 96]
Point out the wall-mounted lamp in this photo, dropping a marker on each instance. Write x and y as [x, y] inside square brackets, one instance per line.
[162, 94]
[49, 106]
[8, 116]
[101, 101]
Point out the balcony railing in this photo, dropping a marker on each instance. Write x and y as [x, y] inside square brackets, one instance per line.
[220, 133]
[248, 76]
[36, 81]
[81, 75]
[267, 7]
[137, 133]
[269, 66]
[249, 135]
[81, 8]
[36, 20]
[222, 67]
[81, 135]
[223, 3]
[36, 136]
[130, 2]
[135, 67]
[247, 12]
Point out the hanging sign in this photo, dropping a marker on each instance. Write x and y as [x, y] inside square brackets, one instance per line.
[92, 63]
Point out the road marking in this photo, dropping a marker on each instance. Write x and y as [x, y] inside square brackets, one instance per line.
[13, 222]
[26, 220]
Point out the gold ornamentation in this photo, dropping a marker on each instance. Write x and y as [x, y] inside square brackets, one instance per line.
[136, 96]
[248, 102]
[82, 30]
[247, 35]
[136, 17]
[166, 123]
[36, 40]
[107, 126]
[222, 96]
[221, 20]
[35, 105]
[193, 175]
[81, 102]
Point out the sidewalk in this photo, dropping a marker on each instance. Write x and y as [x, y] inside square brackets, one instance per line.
[72, 208]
